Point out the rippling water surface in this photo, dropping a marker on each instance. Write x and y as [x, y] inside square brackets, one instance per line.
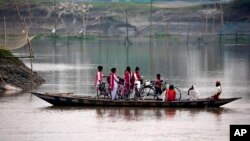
[70, 66]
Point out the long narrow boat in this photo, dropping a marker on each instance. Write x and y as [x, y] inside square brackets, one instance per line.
[67, 99]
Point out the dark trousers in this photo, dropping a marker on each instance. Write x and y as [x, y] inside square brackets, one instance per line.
[158, 91]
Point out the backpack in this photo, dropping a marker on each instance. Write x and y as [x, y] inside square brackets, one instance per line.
[108, 79]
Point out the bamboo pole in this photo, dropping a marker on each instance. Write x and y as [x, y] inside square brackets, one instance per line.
[151, 8]
[222, 15]
[30, 46]
[127, 24]
[19, 14]
[180, 23]
[31, 54]
[27, 2]
[150, 37]
[5, 33]
[189, 26]
[213, 28]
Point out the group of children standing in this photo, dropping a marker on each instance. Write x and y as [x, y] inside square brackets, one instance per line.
[130, 79]
[134, 80]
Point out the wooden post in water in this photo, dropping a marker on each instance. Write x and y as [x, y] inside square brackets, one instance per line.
[189, 26]
[127, 42]
[151, 8]
[5, 33]
[206, 24]
[236, 38]
[222, 16]
[126, 39]
[68, 38]
[220, 38]
[220, 44]
[31, 53]
[99, 37]
[150, 37]
[180, 23]
[213, 26]
[28, 5]
[19, 14]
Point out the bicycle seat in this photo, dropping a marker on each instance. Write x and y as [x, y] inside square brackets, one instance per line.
[147, 83]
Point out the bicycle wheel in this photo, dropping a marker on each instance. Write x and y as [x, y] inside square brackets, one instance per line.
[136, 94]
[178, 93]
[147, 91]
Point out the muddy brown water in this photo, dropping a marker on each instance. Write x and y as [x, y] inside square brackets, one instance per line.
[70, 66]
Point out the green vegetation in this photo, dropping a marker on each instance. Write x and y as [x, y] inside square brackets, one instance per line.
[236, 39]
[10, 58]
[68, 37]
[162, 35]
[5, 53]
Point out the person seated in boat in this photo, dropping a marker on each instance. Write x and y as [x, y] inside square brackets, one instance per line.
[127, 79]
[158, 85]
[193, 93]
[113, 83]
[136, 79]
[217, 91]
[99, 77]
[170, 94]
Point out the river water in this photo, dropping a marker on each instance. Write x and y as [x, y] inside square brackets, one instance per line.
[70, 66]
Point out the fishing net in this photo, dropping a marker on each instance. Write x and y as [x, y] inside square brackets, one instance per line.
[13, 42]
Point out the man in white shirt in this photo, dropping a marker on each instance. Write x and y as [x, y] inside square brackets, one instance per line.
[193, 93]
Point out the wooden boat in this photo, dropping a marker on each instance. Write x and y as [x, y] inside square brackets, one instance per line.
[67, 99]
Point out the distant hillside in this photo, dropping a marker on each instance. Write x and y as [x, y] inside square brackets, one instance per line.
[109, 19]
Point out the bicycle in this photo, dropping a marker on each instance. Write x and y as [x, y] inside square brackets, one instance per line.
[102, 91]
[148, 89]
[139, 91]
[123, 90]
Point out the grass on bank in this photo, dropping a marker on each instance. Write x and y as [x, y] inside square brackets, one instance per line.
[5, 53]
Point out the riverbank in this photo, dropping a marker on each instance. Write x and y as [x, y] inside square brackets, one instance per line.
[15, 73]
[109, 19]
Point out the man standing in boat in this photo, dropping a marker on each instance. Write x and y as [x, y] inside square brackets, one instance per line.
[113, 83]
[99, 77]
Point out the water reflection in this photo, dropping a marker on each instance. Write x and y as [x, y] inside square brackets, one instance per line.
[10, 93]
[114, 114]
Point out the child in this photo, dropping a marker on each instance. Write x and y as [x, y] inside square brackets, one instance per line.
[99, 77]
[158, 84]
[170, 94]
[113, 83]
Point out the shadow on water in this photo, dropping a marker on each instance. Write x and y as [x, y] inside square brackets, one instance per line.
[139, 113]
